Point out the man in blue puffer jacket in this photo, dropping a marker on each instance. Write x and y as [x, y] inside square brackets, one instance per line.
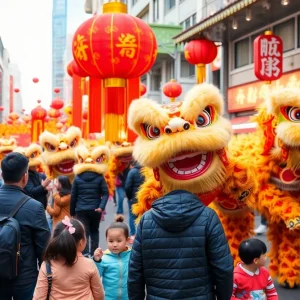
[88, 199]
[180, 252]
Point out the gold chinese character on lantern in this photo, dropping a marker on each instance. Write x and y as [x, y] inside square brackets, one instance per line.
[80, 48]
[127, 44]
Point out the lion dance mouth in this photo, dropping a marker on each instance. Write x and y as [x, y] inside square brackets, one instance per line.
[65, 167]
[188, 165]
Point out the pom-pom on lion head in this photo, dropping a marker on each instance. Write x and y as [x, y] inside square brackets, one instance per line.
[180, 140]
[59, 153]
[93, 160]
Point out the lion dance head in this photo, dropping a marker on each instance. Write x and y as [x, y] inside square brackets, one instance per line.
[183, 142]
[59, 151]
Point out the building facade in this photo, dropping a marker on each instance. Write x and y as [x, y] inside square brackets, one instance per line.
[235, 24]
[59, 36]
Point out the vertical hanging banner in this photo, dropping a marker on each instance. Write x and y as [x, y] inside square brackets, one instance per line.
[268, 50]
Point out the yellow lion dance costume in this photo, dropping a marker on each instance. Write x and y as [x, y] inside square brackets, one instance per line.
[274, 150]
[6, 146]
[185, 143]
[59, 152]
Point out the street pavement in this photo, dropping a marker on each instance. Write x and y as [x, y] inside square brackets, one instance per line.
[284, 294]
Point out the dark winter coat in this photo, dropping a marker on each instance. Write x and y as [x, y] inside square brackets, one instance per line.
[133, 182]
[34, 231]
[34, 187]
[89, 191]
[180, 252]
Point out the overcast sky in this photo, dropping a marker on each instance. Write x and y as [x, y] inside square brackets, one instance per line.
[26, 32]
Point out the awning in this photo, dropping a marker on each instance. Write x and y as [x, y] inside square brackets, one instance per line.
[212, 20]
[164, 36]
[243, 125]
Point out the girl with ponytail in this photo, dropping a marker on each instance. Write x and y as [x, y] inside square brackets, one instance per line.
[73, 276]
[113, 263]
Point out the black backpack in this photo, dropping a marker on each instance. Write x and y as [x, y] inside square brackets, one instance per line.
[10, 239]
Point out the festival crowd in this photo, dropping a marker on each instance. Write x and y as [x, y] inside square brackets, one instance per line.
[177, 251]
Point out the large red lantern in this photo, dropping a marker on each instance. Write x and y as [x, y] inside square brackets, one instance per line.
[54, 113]
[200, 53]
[172, 89]
[115, 47]
[143, 89]
[267, 50]
[74, 69]
[38, 116]
[57, 103]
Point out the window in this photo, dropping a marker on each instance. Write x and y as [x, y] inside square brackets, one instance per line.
[187, 69]
[155, 10]
[190, 21]
[193, 19]
[169, 70]
[155, 81]
[169, 4]
[241, 53]
[287, 33]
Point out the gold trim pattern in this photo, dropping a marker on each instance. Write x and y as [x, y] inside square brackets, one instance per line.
[114, 82]
[114, 7]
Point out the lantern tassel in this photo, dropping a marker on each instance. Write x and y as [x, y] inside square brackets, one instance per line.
[201, 73]
[114, 127]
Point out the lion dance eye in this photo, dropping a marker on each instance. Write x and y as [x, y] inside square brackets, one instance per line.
[73, 143]
[100, 159]
[204, 119]
[32, 155]
[293, 113]
[50, 147]
[151, 132]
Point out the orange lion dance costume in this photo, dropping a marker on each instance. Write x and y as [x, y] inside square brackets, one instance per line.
[275, 150]
[185, 143]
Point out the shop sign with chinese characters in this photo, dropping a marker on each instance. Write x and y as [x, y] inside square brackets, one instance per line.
[268, 57]
[250, 96]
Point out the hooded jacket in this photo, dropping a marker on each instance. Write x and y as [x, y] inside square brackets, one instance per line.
[180, 252]
[113, 269]
[133, 182]
[89, 191]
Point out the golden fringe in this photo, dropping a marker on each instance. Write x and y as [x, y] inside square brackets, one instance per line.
[237, 228]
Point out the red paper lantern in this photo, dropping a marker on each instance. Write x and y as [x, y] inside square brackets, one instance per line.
[267, 50]
[143, 89]
[1, 108]
[114, 45]
[172, 89]
[200, 53]
[57, 103]
[54, 113]
[74, 69]
[38, 113]
[56, 90]
[85, 114]
[39, 101]
[16, 90]
[13, 116]
[9, 121]
[35, 80]
[70, 69]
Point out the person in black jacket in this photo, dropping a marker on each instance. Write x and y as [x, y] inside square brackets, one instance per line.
[180, 252]
[37, 185]
[33, 225]
[134, 180]
[89, 196]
